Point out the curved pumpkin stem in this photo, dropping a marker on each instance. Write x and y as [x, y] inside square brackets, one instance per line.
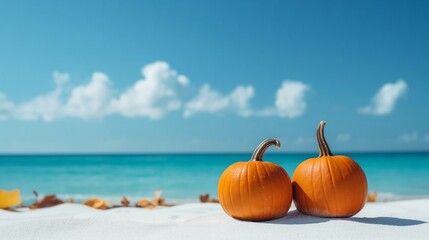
[260, 150]
[324, 149]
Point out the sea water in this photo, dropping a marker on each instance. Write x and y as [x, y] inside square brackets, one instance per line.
[183, 177]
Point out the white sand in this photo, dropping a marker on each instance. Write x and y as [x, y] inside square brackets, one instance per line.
[392, 220]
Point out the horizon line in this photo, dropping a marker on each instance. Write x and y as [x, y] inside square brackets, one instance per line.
[201, 153]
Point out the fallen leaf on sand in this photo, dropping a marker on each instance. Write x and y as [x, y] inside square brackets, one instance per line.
[125, 202]
[205, 198]
[96, 203]
[158, 200]
[9, 199]
[47, 201]
[144, 204]
[372, 197]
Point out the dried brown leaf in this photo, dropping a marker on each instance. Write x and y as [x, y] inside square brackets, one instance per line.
[47, 201]
[205, 198]
[125, 202]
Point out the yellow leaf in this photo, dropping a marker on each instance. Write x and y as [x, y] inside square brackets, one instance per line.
[9, 199]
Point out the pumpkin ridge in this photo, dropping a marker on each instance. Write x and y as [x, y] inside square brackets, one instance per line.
[248, 188]
[346, 196]
[282, 195]
[272, 199]
[312, 186]
[333, 185]
[259, 180]
[226, 203]
[309, 202]
[227, 184]
[365, 193]
[362, 193]
[348, 166]
[361, 179]
[239, 184]
[234, 208]
[321, 164]
[263, 181]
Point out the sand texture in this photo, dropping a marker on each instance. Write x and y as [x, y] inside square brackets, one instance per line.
[392, 220]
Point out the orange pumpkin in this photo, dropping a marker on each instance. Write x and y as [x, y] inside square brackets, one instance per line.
[329, 186]
[255, 190]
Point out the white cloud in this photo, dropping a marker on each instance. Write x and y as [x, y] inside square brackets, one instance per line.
[343, 137]
[60, 78]
[5, 106]
[211, 101]
[240, 98]
[85, 101]
[154, 96]
[290, 100]
[207, 100]
[385, 99]
[91, 100]
[159, 92]
[409, 137]
[47, 107]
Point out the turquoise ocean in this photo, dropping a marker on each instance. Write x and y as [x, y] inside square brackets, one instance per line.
[183, 177]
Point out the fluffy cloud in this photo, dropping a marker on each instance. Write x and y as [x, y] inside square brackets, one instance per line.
[240, 98]
[47, 107]
[290, 100]
[60, 78]
[409, 137]
[211, 101]
[160, 91]
[154, 96]
[385, 99]
[343, 137]
[91, 100]
[5, 106]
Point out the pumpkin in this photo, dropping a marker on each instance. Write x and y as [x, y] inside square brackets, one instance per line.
[255, 190]
[329, 186]
[9, 199]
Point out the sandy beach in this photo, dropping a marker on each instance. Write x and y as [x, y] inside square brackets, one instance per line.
[391, 220]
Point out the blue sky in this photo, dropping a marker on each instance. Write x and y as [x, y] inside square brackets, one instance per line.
[213, 76]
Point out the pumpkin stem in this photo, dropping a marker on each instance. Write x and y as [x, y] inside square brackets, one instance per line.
[324, 149]
[260, 150]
